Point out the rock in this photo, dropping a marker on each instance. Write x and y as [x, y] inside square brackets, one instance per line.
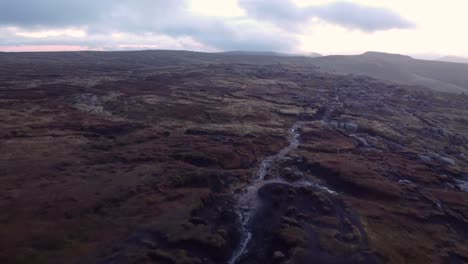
[347, 126]
[463, 185]
[448, 161]
[462, 156]
[434, 155]
[361, 141]
[350, 126]
[404, 182]
[88, 103]
[290, 221]
[425, 158]
[299, 160]
[278, 255]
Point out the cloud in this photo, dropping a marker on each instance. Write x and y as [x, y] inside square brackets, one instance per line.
[355, 16]
[170, 24]
[50, 12]
[58, 13]
[58, 20]
[280, 12]
[346, 14]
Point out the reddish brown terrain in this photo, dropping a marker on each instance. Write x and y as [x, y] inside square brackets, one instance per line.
[186, 158]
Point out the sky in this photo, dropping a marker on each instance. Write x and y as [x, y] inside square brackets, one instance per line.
[423, 28]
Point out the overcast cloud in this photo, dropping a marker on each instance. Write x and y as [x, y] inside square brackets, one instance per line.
[286, 14]
[111, 24]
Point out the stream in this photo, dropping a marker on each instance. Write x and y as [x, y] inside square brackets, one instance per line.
[248, 201]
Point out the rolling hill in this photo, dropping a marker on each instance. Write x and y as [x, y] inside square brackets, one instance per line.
[437, 75]
[454, 59]
[271, 53]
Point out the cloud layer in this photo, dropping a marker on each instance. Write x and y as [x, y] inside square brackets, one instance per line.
[114, 23]
[286, 14]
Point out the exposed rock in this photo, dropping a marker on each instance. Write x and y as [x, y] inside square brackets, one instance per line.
[462, 156]
[361, 141]
[425, 158]
[88, 103]
[291, 174]
[290, 221]
[463, 185]
[404, 182]
[350, 126]
[278, 256]
[448, 161]
[344, 125]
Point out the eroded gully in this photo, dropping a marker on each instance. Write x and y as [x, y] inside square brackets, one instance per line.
[248, 201]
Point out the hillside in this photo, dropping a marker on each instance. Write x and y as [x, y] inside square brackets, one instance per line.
[441, 76]
[269, 53]
[454, 59]
[86, 62]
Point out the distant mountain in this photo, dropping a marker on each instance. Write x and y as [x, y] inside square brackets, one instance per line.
[454, 59]
[261, 53]
[438, 75]
[271, 53]
[314, 54]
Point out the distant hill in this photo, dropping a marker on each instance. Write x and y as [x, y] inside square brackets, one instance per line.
[83, 62]
[442, 76]
[271, 53]
[454, 59]
[314, 54]
[438, 75]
